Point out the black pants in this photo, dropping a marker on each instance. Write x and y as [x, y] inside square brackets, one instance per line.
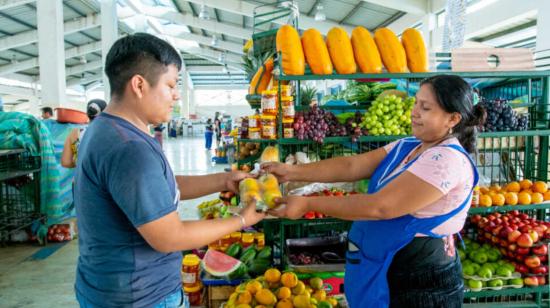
[423, 275]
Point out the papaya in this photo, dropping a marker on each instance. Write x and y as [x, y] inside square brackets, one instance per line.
[261, 78]
[289, 45]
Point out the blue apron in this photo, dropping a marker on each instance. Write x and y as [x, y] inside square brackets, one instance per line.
[374, 243]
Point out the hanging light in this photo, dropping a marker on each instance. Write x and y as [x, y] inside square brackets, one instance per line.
[320, 14]
[224, 69]
[83, 60]
[214, 41]
[203, 14]
[221, 57]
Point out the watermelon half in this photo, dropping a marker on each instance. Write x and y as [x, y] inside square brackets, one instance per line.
[218, 264]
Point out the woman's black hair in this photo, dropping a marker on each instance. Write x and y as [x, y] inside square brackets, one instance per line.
[454, 94]
[95, 107]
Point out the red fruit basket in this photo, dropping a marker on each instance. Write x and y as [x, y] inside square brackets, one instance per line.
[65, 115]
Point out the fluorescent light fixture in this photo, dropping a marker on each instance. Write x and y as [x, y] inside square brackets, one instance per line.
[320, 14]
[203, 14]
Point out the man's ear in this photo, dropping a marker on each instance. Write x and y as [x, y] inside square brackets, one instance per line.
[137, 85]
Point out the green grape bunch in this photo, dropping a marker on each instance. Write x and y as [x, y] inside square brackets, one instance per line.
[389, 115]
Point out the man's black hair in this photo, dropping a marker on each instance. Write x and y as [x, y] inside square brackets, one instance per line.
[138, 54]
[47, 110]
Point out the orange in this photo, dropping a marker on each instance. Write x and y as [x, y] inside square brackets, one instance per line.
[524, 198]
[537, 198]
[272, 275]
[525, 184]
[495, 188]
[484, 190]
[540, 187]
[492, 193]
[513, 187]
[529, 191]
[498, 199]
[244, 297]
[285, 303]
[485, 200]
[511, 198]
[253, 286]
[547, 196]
[265, 297]
[289, 280]
[284, 292]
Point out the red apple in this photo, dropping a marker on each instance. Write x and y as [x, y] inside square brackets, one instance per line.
[543, 259]
[525, 229]
[520, 258]
[505, 231]
[505, 218]
[514, 213]
[488, 236]
[497, 214]
[511, 254]
[503, 251]
[543, 227]
[532, 261]
[539, 270]
[476, 218]
[522, 269]
[523, 216]
[534, 235]
[503, 243]
[496, 230]
[540, 250]
[513, 226]
[539, 230]
[488, 228]
[491, 217]
[531, 281]
[522, 251]
[498, 221]
[541, 280]
[483, 222]
[513, 236]
[524, 240]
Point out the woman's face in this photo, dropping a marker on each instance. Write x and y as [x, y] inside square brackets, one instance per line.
[429, 121]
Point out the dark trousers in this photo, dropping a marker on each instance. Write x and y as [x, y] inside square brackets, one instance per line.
[422, 275]
[208, 139]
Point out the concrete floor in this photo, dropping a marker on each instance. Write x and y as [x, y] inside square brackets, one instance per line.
[49, 282]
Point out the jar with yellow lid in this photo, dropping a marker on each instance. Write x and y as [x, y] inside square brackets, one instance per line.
[269, 126]
[475, 196]
[247, 239]
[288, 128]
[286, 90]
[190, 270]
[254, 121]
[287, 104]
[269, 102]
[254, 133]
[259, 238]
[194, 294]
[236, 237]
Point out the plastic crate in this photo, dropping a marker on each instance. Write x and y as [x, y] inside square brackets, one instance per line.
[16, 162]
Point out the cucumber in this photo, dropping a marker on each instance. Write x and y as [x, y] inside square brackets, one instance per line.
[234, 250]
[247, 255]
[265, 253]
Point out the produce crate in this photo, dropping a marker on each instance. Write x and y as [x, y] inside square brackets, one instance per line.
[523, 297]
[19, 191]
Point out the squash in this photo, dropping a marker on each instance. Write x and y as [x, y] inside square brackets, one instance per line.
[262, 78]
[365, 51]
[340, 50]
[417, 55]
[391, 51]
[289, 45]
[316, 52]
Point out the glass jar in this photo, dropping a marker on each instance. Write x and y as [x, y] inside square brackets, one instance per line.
[260, 240]
[254, 121]
[247, 239]
[269, 102]
[194, 294]
[254, 133]
[243, 128]
[269, 127]
[287, 104]
[288, 128]
[190, 270]
[286, 90]
[475, 196]
[235, 237]
[225, 242]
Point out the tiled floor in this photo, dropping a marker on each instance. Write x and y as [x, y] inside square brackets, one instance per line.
[49, 282]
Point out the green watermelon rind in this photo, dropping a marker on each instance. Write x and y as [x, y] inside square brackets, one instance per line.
[212, 259]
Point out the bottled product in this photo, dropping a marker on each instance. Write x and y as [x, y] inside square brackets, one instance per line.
[269, 126]
[247, 239]
[190, 270]
[254, 121]
[194, 294]
[475, 196]
[269, 102]
[254, 133]
[288, 128]
[260, 240]
[235, 237]
[243, 129]
[286, 90]
[287, 105]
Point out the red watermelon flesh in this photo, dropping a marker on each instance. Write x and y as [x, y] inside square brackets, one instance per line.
[218, 264]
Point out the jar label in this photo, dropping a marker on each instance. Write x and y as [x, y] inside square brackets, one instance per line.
[189, 277]
[268, 131]
[288, 111]
[269, 103]
[254, 135]
[288, 133]
[252, 123]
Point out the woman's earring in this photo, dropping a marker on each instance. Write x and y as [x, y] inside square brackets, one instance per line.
[450, 131]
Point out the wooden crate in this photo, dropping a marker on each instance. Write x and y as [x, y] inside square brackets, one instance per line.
[478, 59]
[217, 295]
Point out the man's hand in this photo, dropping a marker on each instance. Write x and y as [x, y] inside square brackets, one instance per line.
[250, 215]
[292, 207]
[233, 178]
[280, 170]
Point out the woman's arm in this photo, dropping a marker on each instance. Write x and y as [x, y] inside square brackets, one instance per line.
[340, 169]
[67, 157]
[406, 194]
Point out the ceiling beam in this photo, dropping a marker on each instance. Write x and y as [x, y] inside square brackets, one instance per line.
[8, 4]
[69, 53]
[416, 7]
[203, 40]
[31, 36]
[531, 24]
[209, 69]
[187, 19]
[247, 9]
[350, 13]
[79, 81]
[81, 68]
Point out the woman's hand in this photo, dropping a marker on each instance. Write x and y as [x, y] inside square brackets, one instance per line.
[292, 207]
[280, 170]
[250, 215]
[233, 178]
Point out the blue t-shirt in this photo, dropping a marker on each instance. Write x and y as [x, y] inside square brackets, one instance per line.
[122, 181]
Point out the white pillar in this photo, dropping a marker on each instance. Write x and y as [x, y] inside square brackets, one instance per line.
[109, 34]
[51, 50]
[184, 93]
[192, 107]
[543, 28]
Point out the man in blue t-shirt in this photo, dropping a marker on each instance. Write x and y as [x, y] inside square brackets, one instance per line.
[126, 194]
